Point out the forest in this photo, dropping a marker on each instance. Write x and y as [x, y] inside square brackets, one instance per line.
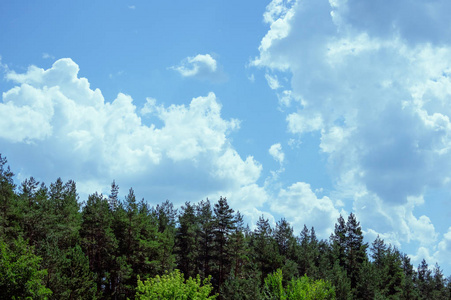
[54, 245]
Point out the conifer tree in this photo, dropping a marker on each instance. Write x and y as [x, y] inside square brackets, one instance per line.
[205, 237]
[238, 247]
[264, 248]
[409, 289]
[306, 252]
[338, 241]
[113, 199]
[224, 224]
[286, 242]
[7, 196]
[166, 217]
[393, 276]
[355, 250]
[98, 240]
[185, 241]
[29, 206]
[424, 283]
[438, 284]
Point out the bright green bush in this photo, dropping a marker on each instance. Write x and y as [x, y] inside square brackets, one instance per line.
[20, 273]
[297, 289]
[174, 287]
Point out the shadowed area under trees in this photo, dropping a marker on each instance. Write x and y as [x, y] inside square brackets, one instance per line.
[54, 246]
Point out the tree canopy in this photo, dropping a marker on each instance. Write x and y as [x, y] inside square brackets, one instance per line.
[54, 245]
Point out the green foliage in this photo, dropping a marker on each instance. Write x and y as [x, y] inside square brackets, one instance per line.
[205, 237]
[185, 240]
[51, 246]
[98, 240]
[264, 248]
[296, 289]
[20, 273]
[224, 224]
[173, 286]
[307, 288]
[245, 287]
[7, 196]
[75, 279]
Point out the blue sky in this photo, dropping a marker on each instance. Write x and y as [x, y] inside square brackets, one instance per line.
[303, 109]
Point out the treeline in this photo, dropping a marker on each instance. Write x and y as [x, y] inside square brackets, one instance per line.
[54, 246]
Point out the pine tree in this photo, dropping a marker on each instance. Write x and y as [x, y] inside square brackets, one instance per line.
[57, 222]
[166, 217]
[409, 289]
[355, 251]
[224, 224]
[244, 280]
[238, 247]
[98, 240]
[264, 248]
[63, 209]
[113, 200]
[7, 196]
[338, 242]
[185, 241]
[72, 278]
[367, 285]
[325, 260]
[287, 248]
[438, 284]
[29, 206]
[378, 254]
[205, 237]
[284, 237]
[393, 276]
[120, 269]
[424, 283]
[306, 255]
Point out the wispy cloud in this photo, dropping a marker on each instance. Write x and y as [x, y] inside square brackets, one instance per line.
[47, 56]
[201, 66]
[273, 81]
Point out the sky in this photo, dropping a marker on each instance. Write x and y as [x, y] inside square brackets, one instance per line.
[301, 109]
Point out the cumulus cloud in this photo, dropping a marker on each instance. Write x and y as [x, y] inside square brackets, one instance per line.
[300, 205]
[201, 66]
[52, 123]
[375, 86]
[444, 247]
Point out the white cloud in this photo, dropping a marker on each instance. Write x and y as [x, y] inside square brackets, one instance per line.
[273, 82]
[201, 66]
[444, 247]
[375, 84]
[277, 153]
[286, 97]
[149, 107]
[278, 14]
[301, 123]
[53, 124]
[300, 205]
